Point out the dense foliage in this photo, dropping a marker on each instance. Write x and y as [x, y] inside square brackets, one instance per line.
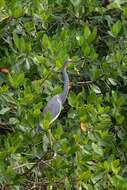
[86, 147]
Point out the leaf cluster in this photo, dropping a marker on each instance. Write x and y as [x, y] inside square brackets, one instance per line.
[86, 147]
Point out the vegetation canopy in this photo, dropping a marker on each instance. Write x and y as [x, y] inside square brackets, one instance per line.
[86, 147]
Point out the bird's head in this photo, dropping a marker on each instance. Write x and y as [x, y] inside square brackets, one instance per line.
[66, 63]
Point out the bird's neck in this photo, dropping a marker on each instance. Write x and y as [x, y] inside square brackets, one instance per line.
[63, 95]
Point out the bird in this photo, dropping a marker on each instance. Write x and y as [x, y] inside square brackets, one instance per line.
[54, 106]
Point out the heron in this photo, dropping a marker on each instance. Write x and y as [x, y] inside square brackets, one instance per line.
[54, 106]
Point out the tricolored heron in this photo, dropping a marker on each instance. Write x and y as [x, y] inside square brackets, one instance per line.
[55, 104]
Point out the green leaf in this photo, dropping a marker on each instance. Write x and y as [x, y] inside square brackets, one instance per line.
[80, 40]
[97, 149]
[58, 131]
[45, 143]
[22, 44]
[4, 110]
[98, 176]
[125, 11]
[37, 108]
[67, 183]
[2, 3]
[17, 11]
[119, 182]
[45, 122]
[112, 81]
[115, 165]
[85, 176]
[86, 49]
[13, 121]
[75, 3]
[27, 65]
[3, 89]
[116, 28]
[72, 99]
[45, 42]
[96, 89]
[115, 5]
[28, 47]
[16, 40]
[16, 79]
[87, 32]
[92, 35]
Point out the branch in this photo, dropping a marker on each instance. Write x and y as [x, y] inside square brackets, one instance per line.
[86, 82]
[49, 73]
[21, 166]
[39, 161]
[5, 126]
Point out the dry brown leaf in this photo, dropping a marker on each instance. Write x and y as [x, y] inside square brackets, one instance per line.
[83, 127]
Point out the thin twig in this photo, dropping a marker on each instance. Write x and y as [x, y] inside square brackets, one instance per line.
[21, 166]
[52, 26]
[45, 182]
[44, 162]
[5, 126]
[49, 73]
[33, 187]
[36, 164]
[86, 82]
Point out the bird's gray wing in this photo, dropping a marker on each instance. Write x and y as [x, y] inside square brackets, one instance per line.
[54, 107]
